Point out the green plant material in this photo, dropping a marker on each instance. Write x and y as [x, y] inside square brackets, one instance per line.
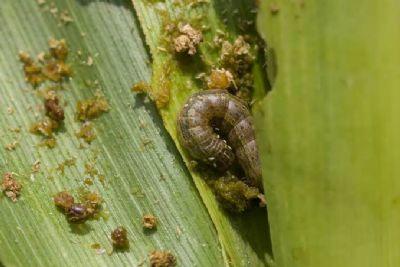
[106, 53]
[331, 128]
[245, 237]
[234, 194]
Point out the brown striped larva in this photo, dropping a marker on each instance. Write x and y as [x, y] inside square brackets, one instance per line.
[217, 109]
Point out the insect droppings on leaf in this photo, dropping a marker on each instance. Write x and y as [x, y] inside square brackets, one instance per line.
[238, 59]
[92, 201]
[77, 213]
[52, 106]
[187, 40]
[91, 108]
[234, 194]
[11, 187]
[141, 87]
[50, 66]
[88, 208]
[63, 200]
[46, 128]
[11, 146]
[162, 258]
[119, 238]
[219, 79]
[86, 132]
[66, 163]
[149, 221]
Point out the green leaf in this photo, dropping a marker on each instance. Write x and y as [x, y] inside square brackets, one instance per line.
[331, 130]
[143, 170]
[245, 237]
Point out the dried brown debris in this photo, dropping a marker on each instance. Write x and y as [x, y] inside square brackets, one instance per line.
[188, 39]
[119, 238]
[91, 108]
[46, 127]
[149, 221]
[50, 66]
[219, 79]
[11, 146]
[77, 213]
[160, 258]
[52, 106]
[86, 132]
[89, 207]
[141, 87]
[63, 200]
[11, 187]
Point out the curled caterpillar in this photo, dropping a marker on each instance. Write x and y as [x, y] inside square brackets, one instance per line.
[208, 112]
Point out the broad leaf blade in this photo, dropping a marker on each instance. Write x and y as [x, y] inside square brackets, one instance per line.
[140, 177]
[331, 123]
[244, 237]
